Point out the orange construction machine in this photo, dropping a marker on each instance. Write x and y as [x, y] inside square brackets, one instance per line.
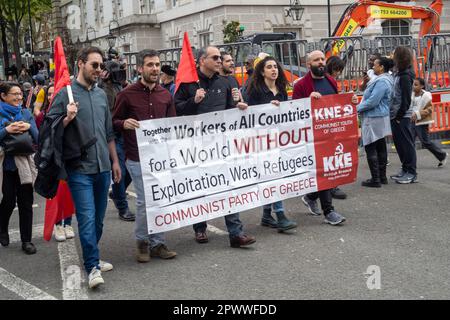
[362, 13]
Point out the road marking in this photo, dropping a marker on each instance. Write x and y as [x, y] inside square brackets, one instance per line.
[22, 288]
[71, 273]
[38, 232]
[217, 230]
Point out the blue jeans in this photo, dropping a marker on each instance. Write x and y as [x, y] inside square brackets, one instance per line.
[141, 229]
[277, 206]
[119, 194]
[232, 221]
[90, 195]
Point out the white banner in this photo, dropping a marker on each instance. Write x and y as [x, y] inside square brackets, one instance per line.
[202, 167]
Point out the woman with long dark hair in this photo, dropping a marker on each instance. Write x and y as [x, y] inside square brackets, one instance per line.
[400, 112]
[18, 172]
[268, 85]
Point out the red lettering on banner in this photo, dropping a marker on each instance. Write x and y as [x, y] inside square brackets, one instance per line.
[296, 186]
[335, 140]
[272, 140]
[190, 212]
[243, 199]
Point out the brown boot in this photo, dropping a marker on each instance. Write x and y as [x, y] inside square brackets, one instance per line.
[162, 252]
[142, 254]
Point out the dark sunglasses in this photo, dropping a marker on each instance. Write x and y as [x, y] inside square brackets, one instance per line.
[96, 65]
[215, 58]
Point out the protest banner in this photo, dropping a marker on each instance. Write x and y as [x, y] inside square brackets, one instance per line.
[198, 168]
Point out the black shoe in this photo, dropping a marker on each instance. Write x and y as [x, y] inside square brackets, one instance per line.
[384, 180]
[338, 193]
[28, 248]
[4, 239]
[371, 183]
[127, 215]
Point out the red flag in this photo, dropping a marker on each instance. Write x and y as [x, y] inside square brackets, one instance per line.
[61, 206]
[187, 72]
[62, 77]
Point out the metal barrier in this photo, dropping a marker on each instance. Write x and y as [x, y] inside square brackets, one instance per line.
[438, 62]
[355, 52]
[441, 115]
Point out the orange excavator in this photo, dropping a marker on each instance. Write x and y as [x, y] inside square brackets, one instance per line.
[362, 13]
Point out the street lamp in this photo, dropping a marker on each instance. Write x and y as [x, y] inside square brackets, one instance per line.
[111, 38]
[89, 30]
[295, 10]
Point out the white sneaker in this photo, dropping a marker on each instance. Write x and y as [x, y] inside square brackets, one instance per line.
[69, 232]
[95, 278]
[60, 235]
[105, 266]
[443, 162]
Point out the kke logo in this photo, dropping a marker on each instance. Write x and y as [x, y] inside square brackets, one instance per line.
[340, 160]
[327, 113]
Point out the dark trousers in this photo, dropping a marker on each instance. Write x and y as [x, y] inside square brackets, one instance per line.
[376, 153]
[326, 200]
[423, 133]
[119, 190]
[14, 191]
[403, 136]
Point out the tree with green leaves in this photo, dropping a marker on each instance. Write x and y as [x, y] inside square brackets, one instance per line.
[14, 13]
[232, 32]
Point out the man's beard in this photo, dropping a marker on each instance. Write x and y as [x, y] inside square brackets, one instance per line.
[227, 71]
[87, 78]
[318, 71]
[148, 78]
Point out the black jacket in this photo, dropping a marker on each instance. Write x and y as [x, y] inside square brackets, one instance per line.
[218, 96]
[401, 99]
[59, 148]
[265, 96]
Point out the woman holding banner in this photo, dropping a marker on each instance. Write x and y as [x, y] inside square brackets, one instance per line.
[268, 85]
[375, 123]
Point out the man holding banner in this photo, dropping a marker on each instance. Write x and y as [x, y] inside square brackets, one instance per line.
[211, 93]
[143, 100]
[315, 84]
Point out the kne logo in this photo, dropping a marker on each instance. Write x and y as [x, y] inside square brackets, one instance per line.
[340, 160]
[327, 113]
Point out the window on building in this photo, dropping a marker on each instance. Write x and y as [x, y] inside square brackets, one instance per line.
[204, 39]
[175, 42]
[395, 28]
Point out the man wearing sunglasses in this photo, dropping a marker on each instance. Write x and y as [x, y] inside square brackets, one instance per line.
[211, 93]
[90, 179]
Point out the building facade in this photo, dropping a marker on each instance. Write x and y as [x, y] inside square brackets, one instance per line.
[160, 24]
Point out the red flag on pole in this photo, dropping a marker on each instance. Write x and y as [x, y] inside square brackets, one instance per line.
[61, 206]
[187, 72]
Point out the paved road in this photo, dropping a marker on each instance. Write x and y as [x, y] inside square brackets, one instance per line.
[402, 231]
